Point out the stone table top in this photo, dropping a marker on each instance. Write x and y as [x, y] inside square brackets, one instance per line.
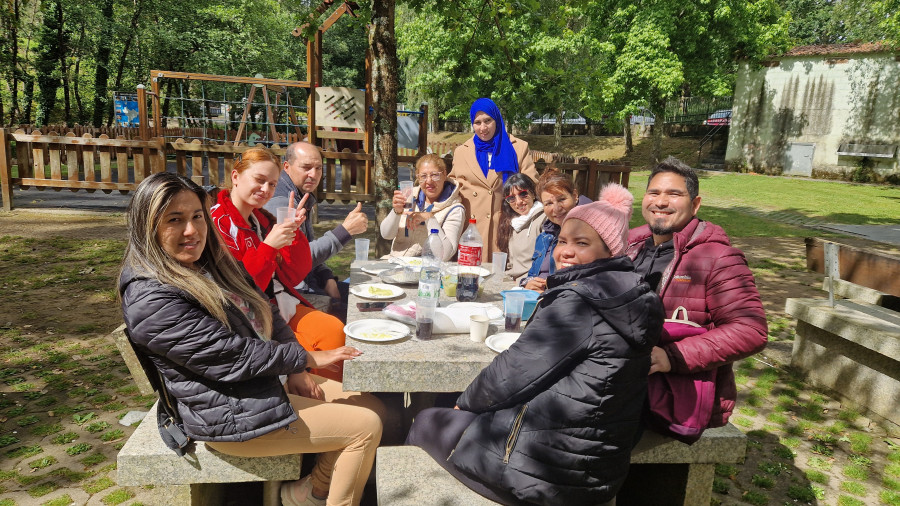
[444, 363]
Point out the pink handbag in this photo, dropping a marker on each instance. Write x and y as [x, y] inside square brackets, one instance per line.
[681, 404]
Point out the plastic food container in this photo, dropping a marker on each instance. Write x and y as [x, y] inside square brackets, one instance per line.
[531, 298]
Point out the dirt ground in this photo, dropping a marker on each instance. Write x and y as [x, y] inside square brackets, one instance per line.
[65, 387]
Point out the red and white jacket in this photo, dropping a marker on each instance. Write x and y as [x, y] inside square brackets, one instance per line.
[289, 265]
[711, 279]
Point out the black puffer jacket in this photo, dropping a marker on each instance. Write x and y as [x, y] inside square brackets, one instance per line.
[561, 409]
[225, 381]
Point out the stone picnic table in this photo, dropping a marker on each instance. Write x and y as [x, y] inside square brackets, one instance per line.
[444, 363]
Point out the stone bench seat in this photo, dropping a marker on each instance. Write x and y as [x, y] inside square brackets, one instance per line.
[852, 349]
[681, 474]
[192, 479]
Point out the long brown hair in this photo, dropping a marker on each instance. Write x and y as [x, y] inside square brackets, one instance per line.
[515, 181]
[145, 256]
[554, 181]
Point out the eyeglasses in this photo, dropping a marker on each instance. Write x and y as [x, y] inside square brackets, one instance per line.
[524, 195]
[431, 177]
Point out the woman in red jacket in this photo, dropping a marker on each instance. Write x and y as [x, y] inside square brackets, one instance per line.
[277, 256]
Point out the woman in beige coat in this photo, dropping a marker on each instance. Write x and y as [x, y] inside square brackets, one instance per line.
[481, 166]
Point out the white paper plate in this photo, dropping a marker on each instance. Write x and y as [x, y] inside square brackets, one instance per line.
[410, 261]
[376, 269]
[376, 291]
[376, 331]
[493, 312]
[502, 341]
[398, 275]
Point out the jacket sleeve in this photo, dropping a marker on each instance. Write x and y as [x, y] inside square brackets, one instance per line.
[450, 231]
[296, 261]
[738, 321]
[547, 350]
[390, 225]
[180, 330]
[328, 245]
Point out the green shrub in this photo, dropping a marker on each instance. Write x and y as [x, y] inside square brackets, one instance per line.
[112, 435]
[64, 439]
[8, 439]
[856, 472]
[854, 488]
[761, 481]
[755, 498]
[721, 486]
[846, 500]
[860, 442]
[726, 471]
[78, 449]
[890, 497]
[801, 493]
[43, 462]
[816, 476]
[96, 427]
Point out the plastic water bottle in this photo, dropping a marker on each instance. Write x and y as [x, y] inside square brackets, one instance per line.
[430, 275]
[432, 250]
[470, 247]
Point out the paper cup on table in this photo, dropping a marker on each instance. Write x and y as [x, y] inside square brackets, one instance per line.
[513, 304]
[362, 249]
[499, 262]
[478, 327]
[284, 214]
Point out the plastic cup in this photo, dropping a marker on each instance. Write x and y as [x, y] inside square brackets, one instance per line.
[406, 188]
[513, 304]
[362, 249]
[283, 214]
[448, 281]
[478, 327]
[499, 262]
[425, 309]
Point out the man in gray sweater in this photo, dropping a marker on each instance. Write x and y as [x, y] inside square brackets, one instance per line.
[301, 175]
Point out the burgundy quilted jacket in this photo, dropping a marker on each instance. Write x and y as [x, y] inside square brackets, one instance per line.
[710, 278]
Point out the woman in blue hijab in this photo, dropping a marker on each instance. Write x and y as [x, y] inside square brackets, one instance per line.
[481, 166]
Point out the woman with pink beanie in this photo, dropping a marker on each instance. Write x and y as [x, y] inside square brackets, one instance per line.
[553, 419]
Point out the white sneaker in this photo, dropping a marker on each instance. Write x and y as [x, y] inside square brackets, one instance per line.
[299, 493]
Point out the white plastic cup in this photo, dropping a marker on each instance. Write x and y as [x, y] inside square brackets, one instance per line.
[362, 250]
[499, 263]
[283, 214]
[425, 310]
[478, 327]
[406, 188]
[513, 304]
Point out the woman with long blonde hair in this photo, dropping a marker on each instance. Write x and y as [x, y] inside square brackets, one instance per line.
[220, 348]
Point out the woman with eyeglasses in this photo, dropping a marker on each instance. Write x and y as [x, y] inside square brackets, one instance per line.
[435, 205]
[559, 196]
[522, 216]
[481, 166]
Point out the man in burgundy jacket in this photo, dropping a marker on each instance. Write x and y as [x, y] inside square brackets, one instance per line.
[691, 263]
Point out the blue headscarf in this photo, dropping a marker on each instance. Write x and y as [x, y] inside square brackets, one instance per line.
[503, 157]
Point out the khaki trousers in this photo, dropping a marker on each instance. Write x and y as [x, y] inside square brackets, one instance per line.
[345, 430]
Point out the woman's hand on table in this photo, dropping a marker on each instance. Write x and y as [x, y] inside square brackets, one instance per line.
[324, 358]
[302, 384]
[416, 220]
[284, 234]
[536, 284]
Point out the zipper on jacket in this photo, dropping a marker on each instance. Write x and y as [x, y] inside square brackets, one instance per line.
[514, 434]
[165, 392]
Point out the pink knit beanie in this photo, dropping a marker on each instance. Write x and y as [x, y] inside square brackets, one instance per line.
[609, 216]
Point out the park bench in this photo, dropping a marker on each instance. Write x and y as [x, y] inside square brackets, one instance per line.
[850, 342]
[196, 478]
[680, 474]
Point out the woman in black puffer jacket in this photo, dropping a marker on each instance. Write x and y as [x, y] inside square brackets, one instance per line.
[220, 348]
[552, 420]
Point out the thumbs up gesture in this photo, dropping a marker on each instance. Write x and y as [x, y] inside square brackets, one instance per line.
[356, 222]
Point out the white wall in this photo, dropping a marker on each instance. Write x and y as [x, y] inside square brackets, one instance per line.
[815, 99]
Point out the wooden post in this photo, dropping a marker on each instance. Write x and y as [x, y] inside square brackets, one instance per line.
[5, 171]
[240, 132]
[423, 130]
[157, 113]
[143, 127]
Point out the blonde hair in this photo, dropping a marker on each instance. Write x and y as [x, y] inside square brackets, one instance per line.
[144, 255]
[433, 159]
[251, 156]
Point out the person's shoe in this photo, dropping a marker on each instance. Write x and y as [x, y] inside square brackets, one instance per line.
[299, 493]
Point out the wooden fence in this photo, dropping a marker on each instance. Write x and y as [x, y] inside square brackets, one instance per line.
[107, 164]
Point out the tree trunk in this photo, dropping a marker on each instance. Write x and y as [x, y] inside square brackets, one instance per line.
[557, 130]
[62, 47]
[81, 117]
[29, 98]
[629, 144]
[658, 108]
[384, 100]
[132, 30]
[101, 77]
[14, 64]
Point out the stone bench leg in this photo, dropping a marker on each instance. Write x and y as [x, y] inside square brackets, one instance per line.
[272, 493]
[698, 489]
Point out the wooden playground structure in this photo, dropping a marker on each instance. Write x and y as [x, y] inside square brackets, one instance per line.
[59, 160]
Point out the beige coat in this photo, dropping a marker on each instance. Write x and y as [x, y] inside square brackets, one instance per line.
[483, 196]
[449, 219]
[521, 242]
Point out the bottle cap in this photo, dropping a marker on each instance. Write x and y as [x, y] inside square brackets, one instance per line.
[434, 231]
[471, 220]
